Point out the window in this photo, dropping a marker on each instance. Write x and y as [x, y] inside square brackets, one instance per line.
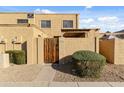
[67, 23]
[45, 24]
[30, 15]
[22, 21]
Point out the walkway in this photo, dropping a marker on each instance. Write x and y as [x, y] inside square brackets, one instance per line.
[61, 84]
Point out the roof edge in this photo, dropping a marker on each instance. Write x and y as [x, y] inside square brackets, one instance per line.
[85, 29]
[40, 13]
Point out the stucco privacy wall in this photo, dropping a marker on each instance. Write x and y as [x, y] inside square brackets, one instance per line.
[40, 50]
[9, 33]
[113, 50]
[35, 51]
[31, 51]
[119, 51]
[94, 40]
[106, 48]
[67, 46]
[23, 34]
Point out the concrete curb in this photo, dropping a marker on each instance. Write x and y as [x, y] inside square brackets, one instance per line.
[61, 84]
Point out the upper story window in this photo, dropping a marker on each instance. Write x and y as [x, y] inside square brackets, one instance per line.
[67, 23]
[30, 15]
[22, 21]
[45, 24]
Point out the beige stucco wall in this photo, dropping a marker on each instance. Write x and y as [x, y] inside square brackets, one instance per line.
[40, 50]
[67, 46]
[35, 49]
[9, 32]
[11, 18]
[56, 22]
[119, 51]
[113, 50]
[106, 48]
[37, 32]
[30, 51]
[23, 34]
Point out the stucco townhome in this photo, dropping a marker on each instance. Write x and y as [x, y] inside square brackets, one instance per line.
[45, 38]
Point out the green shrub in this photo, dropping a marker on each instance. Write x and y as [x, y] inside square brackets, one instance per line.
[16, 56]
[88, 63]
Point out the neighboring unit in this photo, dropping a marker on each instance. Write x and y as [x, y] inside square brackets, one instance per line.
[112, 47]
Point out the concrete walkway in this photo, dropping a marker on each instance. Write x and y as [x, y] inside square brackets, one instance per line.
[47, 73]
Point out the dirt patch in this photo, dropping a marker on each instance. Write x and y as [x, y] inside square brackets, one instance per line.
[111, 73]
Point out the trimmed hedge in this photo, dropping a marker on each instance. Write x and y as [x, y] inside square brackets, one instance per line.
[88, 63]
[16, 56]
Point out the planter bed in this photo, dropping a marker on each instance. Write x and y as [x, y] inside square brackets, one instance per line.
[111, 73]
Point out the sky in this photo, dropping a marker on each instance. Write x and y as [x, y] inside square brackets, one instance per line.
[107, 18]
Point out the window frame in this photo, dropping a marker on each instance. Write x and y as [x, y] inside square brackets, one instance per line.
[26, 21]
[46, 25]
[69, 26]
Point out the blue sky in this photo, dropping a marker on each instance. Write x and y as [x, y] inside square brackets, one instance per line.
[107, 18]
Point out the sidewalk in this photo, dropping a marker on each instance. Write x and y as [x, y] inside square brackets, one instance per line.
[62, 84]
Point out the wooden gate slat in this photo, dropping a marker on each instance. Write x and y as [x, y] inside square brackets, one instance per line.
[48, 59]
[44, 50]
[54, 50]
[51, 50]
[57, 49]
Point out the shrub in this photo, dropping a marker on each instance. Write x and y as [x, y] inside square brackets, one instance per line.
[88, 63]
[16, 56]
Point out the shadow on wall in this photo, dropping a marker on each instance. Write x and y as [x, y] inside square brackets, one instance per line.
[24, 47]
[65, 65]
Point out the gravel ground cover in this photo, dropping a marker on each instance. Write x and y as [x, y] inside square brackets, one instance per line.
[111, 73]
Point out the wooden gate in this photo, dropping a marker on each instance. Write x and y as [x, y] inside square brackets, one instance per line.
[51, 50]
